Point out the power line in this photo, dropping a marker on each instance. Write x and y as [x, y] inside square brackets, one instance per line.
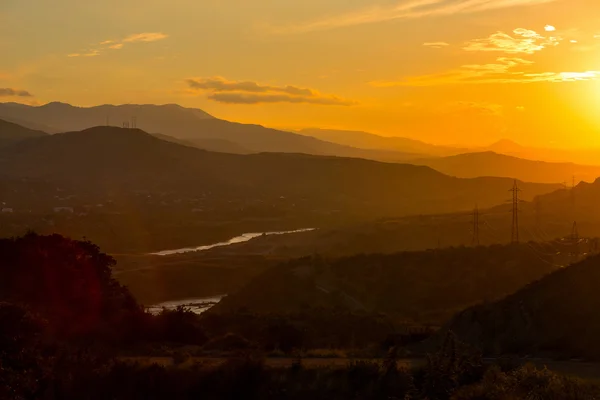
[515, 212]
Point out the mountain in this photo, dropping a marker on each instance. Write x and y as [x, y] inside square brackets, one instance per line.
[11, 133]
[555, 316]
[116, 160]
[65, 117]
[187, 124]
[587, 156]
[218, 145]
[578, 203]
[367, 140]
[471, 165]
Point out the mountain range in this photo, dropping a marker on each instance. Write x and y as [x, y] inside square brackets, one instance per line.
[109, 159]
[470, 165]
[367, 140]
[506, 147]
[192, 125]
[196, 128]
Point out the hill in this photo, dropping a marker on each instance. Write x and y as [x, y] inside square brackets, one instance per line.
[218, 145]
[579, 203]
[368, 140]
[106, 158]
[586, 156]
[422, 287]
[188, 124]
[557, 315]
[130, 191]
[12, 133]
[471, 165]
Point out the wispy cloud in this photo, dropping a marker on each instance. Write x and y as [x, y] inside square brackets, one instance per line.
[248, 92]
[145, 37]
[91, 53]
[523, 41]
[120, 43]
[9, 92]
[436, 45]
[505, 70]
[407, 9]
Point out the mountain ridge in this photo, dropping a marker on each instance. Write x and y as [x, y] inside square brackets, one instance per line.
[108, 158]
[185, 123]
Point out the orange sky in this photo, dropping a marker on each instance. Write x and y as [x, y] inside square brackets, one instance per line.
[444, 71]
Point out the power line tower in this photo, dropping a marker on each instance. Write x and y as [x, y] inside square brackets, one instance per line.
[572, 193]
[515, 212]
[575, 239]
[574, 232]
[476, 226]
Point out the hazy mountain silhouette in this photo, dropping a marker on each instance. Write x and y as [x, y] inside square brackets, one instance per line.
[587, 156]
[579, 203]
[106, 159]
[367, 140]
[471, 165]
[188, 124]
[218, 145]
[558, 315]
[11, 133]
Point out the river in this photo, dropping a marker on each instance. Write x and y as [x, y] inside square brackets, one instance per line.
[245, 237]
[199, 305]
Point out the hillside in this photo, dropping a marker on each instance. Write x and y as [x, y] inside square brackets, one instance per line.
[423, 287]
[105, 158]
[218, 145]
[471, 165]
[368, 140]
[188, 124]
[12, 133]
[585, 156]
[556, 315]
[578, 204]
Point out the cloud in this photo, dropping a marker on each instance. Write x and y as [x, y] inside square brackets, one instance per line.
[250, 98]
[145, 37]
[549, 28]
[247, 92]
[9, 92]
[91, 53]
[222, 85]
[505, 70]
[119, 44]
[436, 45]
[407, 9]
[524, 41]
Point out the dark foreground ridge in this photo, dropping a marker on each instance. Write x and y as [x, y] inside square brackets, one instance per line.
[557, 315]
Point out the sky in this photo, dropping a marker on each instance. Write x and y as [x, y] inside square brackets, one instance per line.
[466, 72]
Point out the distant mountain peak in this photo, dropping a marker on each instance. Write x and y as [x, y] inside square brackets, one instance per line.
[506, 144]
[57, 104]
